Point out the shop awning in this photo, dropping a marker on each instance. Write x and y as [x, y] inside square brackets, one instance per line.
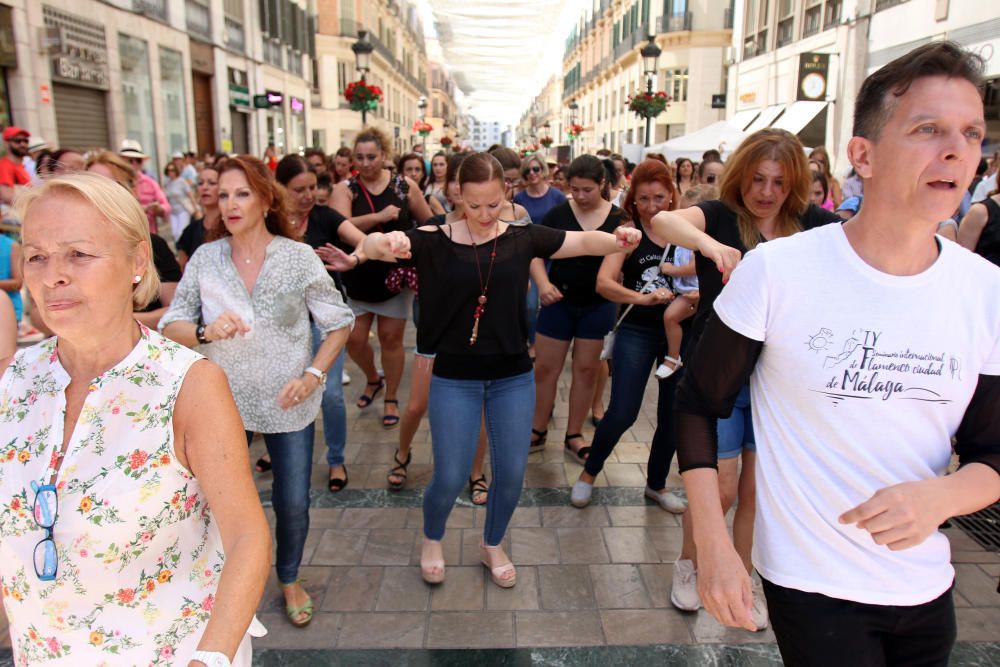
[765, 118]
[741, 119]
[798, 115]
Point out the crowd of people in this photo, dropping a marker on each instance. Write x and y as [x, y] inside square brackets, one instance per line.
[781, 313]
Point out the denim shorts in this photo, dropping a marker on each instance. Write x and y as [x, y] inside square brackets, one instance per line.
[736, 431]
[566, 321]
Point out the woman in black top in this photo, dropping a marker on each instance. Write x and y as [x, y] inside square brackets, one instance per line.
[318, 226]
[640, 340]
[571, 307]
[764, 194]
[980, 228]
[474, 283]
[376, 200]
[199, 228]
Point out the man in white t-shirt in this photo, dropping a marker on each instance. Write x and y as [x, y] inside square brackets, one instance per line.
[863, 364]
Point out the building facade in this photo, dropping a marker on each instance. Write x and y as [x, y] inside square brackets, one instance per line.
[398, 66]
[602, 68]
[798, 64]
[175, 75]
[483, 134]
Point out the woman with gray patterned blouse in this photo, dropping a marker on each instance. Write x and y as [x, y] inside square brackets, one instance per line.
[246, 299]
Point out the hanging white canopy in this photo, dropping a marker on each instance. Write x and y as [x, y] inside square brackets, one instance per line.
[765, 118]
[721, 135]
[798, 115]
[741, 119]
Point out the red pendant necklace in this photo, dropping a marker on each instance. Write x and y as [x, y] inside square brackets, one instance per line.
[483, 286]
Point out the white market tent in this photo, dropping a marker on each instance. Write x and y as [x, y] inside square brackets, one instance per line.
[721, 135]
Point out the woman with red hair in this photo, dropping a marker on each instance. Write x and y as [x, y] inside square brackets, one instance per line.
[640, 339]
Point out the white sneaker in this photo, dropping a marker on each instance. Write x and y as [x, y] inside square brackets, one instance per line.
[667, 500]
[580, 495]
[684, 590]
[758, 612]
[345, 378]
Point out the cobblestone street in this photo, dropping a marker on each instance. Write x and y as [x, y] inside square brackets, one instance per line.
[598, 577]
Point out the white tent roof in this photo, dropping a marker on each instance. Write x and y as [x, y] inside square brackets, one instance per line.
[719, 135]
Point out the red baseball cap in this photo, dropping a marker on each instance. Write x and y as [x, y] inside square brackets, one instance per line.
[11, 132]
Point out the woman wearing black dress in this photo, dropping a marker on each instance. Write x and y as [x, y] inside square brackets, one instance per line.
[376, 200]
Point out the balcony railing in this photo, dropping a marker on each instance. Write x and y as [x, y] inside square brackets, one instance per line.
[675, 22]
[153, 8]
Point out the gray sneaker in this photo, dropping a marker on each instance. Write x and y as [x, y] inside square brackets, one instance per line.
[580, 495]
[684, 590]
[667, 500]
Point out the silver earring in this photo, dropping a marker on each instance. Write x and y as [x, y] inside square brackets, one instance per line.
[137, 279]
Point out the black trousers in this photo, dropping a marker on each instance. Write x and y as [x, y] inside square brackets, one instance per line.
[818, 631]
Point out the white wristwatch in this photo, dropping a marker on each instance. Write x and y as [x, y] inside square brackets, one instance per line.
[212, 658]
[320, 375]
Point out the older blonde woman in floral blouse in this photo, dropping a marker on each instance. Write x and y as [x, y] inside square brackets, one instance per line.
[253, 292]
[130, 531]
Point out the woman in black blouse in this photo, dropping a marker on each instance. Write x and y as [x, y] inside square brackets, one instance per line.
[318, 226]
[573, 313]
[199, 228]
[474, 283]
[375, 200]
[764, 194]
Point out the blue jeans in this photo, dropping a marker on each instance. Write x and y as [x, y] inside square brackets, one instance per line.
[736, 431]
[455, 408]
[291, 461]
[636, 350]
[531, 306]
[334, 412]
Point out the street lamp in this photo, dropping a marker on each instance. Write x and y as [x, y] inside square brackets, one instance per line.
[649, 53]
[573, 106]
[363, 55]
[422, 105]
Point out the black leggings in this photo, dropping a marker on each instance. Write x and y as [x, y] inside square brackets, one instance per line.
[818, 631]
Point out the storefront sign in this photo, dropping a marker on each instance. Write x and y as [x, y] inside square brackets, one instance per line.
[748, 99]
[77, 62]
[297, 105]
[269, 99]
[719, 101]
[201, 58]
[239, 96]
[814, 69]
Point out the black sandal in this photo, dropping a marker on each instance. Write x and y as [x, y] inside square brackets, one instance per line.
[478, 485]
[540, 442]
[368, 399]
[388, 421]
[336, 484]
[399, 470]
[579, 454]
[263, 464]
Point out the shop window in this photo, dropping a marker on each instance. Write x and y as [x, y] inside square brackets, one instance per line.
[172, 94]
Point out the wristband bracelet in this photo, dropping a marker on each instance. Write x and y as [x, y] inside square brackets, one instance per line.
[357, 260]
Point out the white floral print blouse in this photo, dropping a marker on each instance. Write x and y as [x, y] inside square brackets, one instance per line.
[292, 284]
[139, 553]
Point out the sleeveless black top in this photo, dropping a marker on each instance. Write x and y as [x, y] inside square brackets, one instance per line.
[988, 244]
[639, 268]
[367, 282]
